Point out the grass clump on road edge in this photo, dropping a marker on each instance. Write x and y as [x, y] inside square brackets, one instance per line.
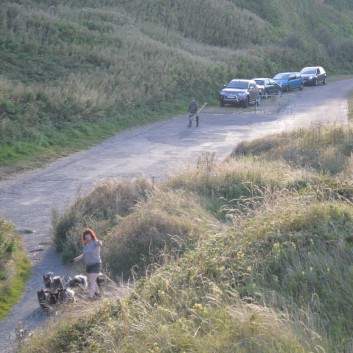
[323, 147]
[15, 267]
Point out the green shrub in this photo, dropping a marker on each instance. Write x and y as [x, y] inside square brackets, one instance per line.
[14, 267]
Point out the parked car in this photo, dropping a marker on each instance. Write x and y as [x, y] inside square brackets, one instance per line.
[289, 80]
[267, 86]
[239, 91]
[313, 75]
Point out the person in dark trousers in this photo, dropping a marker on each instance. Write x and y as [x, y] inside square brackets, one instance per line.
[92, 258]
[193, 109]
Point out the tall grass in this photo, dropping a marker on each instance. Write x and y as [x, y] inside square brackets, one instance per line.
[322, 147]
[236, 183]
[100, 209]
[164, 226]
[137, 223]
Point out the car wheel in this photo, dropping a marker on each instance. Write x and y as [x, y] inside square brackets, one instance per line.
[246, 102]
[324, 81]
[315, 82]
[221, 103]
[301, 87]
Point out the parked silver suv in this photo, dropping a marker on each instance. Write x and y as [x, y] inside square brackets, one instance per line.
[242, 92]
[313, 75]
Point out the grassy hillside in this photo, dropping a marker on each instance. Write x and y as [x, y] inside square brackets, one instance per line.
[84, 70]
[253, 254]
[14, 267]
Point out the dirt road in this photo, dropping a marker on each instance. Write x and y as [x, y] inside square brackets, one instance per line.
[27, 200]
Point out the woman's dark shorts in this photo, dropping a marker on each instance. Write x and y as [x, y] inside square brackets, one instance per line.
[94, 268]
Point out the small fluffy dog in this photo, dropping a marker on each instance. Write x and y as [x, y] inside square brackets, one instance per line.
[78, 281]
[47, 298]
[82, 282]
[53, 283]
[66, 295]
[43, 299]
[100, 280]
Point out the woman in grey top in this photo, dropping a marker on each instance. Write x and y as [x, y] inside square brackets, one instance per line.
[92, 258]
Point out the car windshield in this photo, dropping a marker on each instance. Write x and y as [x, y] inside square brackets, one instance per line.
[260, 82]
[238, 84]
[281, 77]
[308, 71]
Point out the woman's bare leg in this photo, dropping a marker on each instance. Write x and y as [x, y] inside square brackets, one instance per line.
[93, 287]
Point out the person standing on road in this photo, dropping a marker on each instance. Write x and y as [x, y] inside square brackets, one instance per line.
[193, 109]
[92, 258]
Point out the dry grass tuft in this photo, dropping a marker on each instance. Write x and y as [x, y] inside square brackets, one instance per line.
[167, 222]
[323, 147]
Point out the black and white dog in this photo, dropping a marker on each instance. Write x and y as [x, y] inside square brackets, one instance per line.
[78, 281]
[47, 298]
[82, 282]
[53, 283]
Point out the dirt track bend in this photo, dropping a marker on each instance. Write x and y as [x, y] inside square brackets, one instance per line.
[27, 199]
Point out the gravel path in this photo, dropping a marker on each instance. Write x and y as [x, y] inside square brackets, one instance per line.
[154, 150]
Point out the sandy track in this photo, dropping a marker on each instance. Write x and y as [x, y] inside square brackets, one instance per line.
[154, 150]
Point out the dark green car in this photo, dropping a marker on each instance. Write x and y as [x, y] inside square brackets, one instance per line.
[267, 87]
